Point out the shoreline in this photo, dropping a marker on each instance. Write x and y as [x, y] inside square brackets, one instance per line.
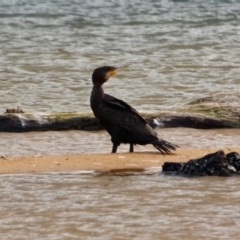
[137, 161]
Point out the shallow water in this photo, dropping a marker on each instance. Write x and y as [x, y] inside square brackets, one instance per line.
[177, 51]
[77, 142]
[75, 206]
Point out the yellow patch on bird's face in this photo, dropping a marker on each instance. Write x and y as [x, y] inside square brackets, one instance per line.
[112, 72]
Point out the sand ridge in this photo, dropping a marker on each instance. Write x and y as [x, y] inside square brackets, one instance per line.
[103, 162]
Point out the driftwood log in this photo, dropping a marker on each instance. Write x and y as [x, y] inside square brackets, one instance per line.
[220, 110]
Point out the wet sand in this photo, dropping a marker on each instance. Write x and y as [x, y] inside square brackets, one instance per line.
[121, 161]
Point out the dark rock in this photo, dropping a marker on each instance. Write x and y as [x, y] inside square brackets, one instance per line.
[213, 164]
[14, 110]
[172, 166]
[234, 160]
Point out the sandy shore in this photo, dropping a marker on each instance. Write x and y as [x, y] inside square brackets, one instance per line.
[69, 162]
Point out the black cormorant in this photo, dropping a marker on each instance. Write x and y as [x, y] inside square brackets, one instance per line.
[123, 123]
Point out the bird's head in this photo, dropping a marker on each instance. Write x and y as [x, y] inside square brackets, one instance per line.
[102, 74]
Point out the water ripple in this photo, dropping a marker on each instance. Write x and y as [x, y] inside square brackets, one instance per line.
[176, 52]
[139, 207]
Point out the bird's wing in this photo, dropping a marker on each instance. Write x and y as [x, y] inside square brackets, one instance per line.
[120, 113]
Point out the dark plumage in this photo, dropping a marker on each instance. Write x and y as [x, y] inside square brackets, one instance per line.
[123, 123]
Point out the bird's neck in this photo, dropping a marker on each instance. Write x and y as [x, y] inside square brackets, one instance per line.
[97, 97]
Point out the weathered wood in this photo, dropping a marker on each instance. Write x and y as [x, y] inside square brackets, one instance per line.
[221, 110]
[25, 122]
[191, 120]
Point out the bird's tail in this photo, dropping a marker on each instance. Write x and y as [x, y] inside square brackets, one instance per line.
[163, 146]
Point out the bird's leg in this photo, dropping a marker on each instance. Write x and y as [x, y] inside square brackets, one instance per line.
[131, 147]
[114, 148]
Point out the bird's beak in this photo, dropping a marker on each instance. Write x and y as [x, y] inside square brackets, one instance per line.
[115, 70]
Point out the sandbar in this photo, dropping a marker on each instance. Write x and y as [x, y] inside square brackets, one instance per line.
[137, 161]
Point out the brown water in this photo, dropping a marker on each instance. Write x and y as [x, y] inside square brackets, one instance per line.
[77, 142]
[88, 206]
[177, 51]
